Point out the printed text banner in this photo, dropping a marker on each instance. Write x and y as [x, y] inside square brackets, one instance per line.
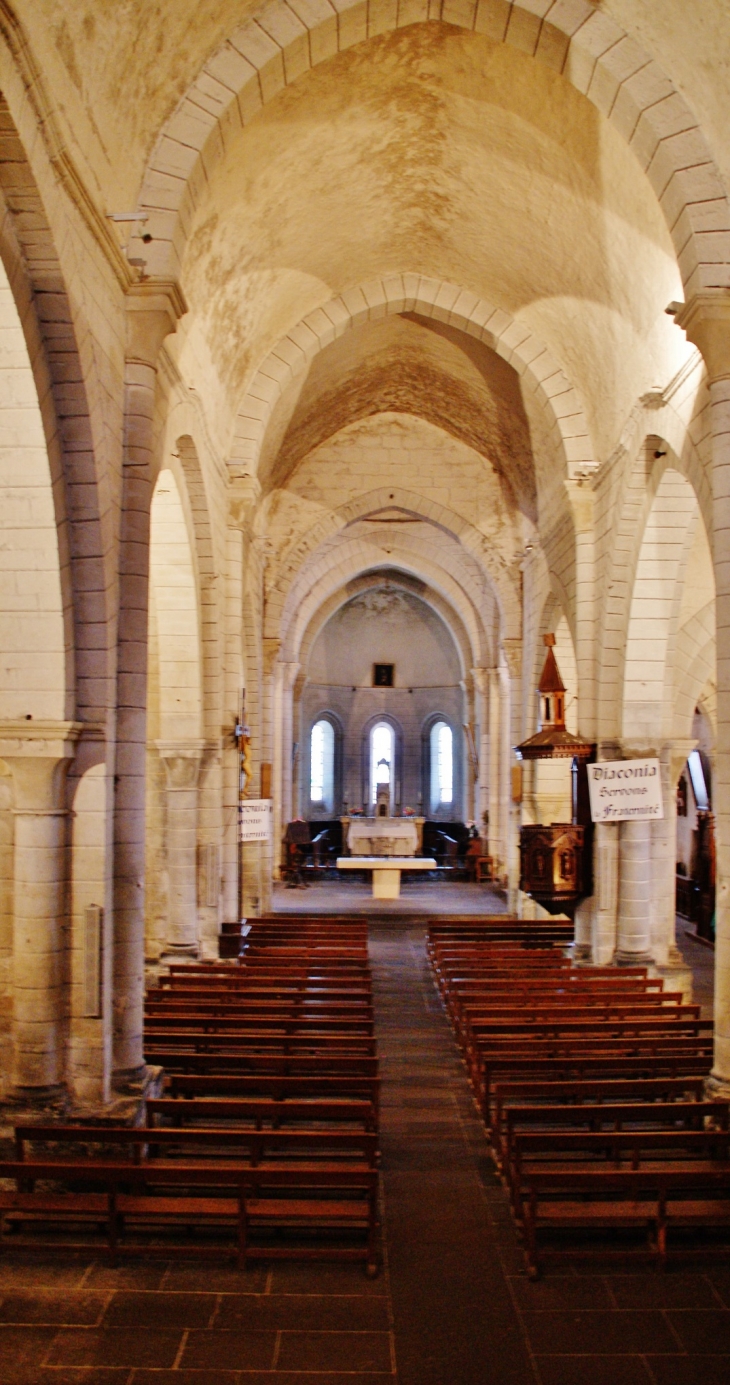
[625, 791]
[256, 820]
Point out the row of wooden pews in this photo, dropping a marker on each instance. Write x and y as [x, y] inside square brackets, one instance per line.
[591, 1082]
[265, 1142]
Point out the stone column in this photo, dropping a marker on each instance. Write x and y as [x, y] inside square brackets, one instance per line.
[481, 745]
[633, 941]
[39, 754]
[667, 956]
[290, 673]
[153, 311]
[582, 503]
[706, 320]
[181, 760]
[497, 799]
[606, 868]
[270, 852]
[512, 694]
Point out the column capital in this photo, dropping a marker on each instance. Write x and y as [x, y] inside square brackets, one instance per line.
[706, 321]
[182, 762]
[582, 499]
[290, 673]
[244, 493]
[674, 755]
[481, 679]
[271, 646]
[153, 312]
[513, 655]
[38, 753]
[638, 750]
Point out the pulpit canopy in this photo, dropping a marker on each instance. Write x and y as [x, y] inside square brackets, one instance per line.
[553, 741]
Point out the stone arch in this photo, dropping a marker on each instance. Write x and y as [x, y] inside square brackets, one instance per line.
[281, 42]
[651, 456]
[38, 286]
[208, 575]
[543, 381]
[648, 685]
[36, 628]
[174, 595]
[696, 663]
[325, 601]
[286, 595]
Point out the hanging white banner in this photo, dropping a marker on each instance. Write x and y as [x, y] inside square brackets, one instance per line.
[625, 791]
[256, 819]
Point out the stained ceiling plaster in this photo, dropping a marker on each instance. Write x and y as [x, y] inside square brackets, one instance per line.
[410, 365]
[439, 152]
[117, 72]
[428, 149]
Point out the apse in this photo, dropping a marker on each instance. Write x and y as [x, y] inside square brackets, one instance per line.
[382, 710]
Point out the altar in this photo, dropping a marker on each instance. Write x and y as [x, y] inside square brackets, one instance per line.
[386, 870]
[383, 836]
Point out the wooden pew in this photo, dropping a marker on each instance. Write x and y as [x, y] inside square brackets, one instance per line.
[609, 1118]
[588, 1065]
[277, 1087]
[253, 1007]
[655, 1201]
[161, 1195]
[260, 1111]
[542, 1094]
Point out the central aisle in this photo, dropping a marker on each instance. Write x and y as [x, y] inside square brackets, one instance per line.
[450, 1243]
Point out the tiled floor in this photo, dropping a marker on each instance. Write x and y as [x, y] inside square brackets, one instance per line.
[452, 1306]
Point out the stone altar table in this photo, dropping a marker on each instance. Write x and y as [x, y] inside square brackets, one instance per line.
[382, 837]
[386, 870]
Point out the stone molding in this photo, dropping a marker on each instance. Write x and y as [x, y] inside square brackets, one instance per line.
[153, 312]
[37, 754]
[706, 321]
[182, 760]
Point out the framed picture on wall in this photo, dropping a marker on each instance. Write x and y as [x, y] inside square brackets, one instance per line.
[383, 675]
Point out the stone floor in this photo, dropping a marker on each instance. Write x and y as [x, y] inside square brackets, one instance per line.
[417, 898]
[451, 1307]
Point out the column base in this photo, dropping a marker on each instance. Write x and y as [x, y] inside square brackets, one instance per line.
[130, 1089]
[26, 1104]
[582, 954]
[632, 959]
[677, 976]
[718, 1087]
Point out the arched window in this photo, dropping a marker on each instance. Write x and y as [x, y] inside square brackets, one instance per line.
[382, 754]
[322, 765]
[442, 766]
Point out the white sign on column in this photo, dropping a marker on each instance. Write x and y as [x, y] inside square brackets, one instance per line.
[256, 819]
[625, 791]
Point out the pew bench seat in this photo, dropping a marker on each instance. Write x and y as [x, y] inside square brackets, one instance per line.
[657, 1202]
[139, 1200]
